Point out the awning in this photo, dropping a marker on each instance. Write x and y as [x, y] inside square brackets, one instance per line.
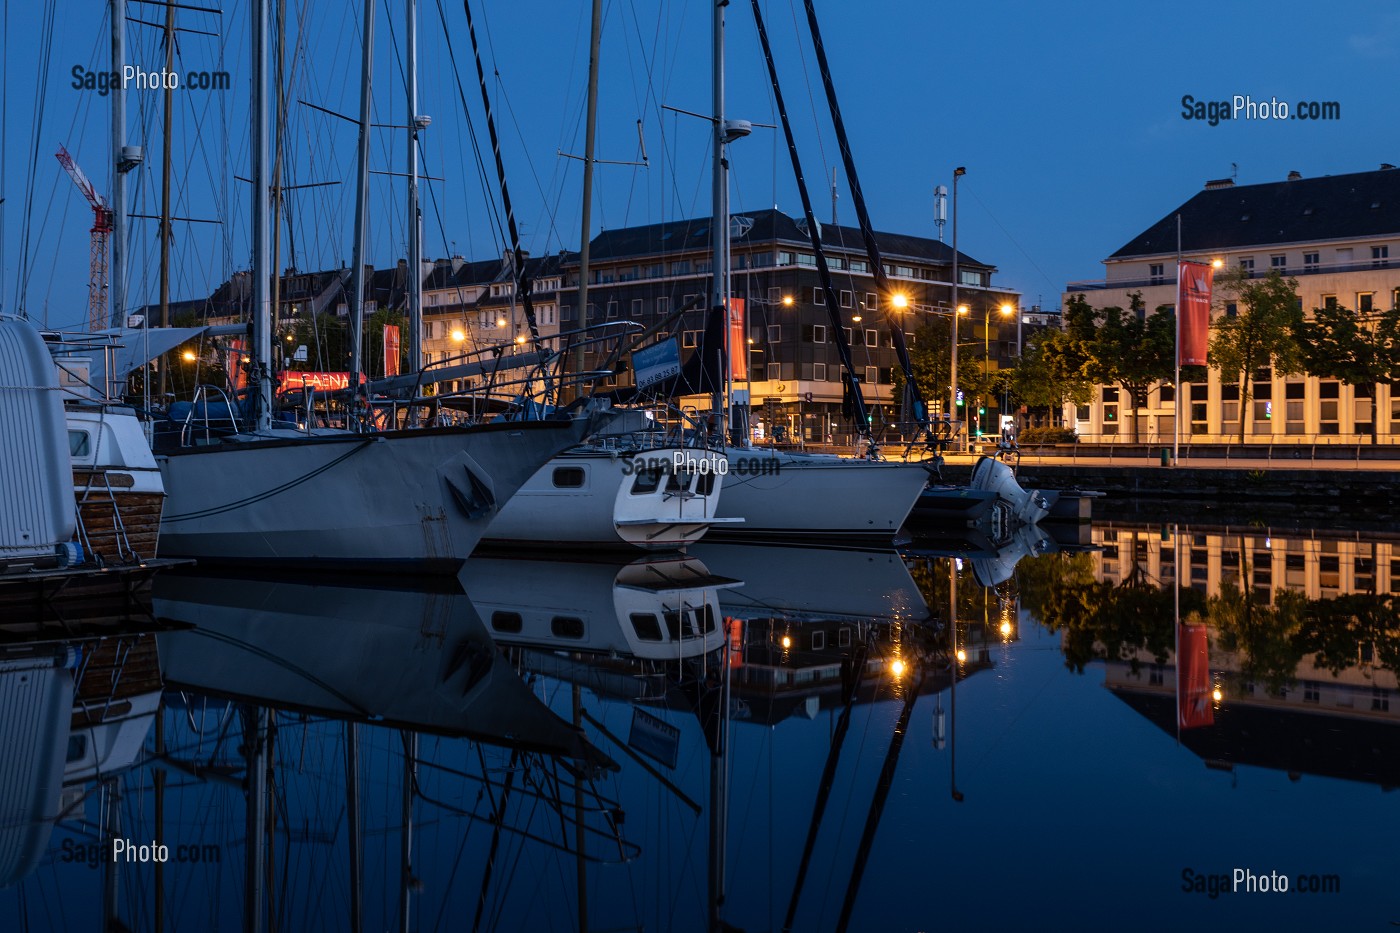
[137, 346]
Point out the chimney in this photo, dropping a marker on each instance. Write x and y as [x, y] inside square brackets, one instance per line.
[1215, 183]
[1295, 176]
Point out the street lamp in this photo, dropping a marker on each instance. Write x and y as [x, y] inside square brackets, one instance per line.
[958, 172]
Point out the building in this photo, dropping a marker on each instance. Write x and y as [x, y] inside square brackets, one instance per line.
[643, 274]
[1334, 234]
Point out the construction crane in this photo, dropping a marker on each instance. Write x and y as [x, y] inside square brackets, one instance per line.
[101, 230]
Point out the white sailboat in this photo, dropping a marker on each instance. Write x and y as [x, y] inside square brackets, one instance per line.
[419, 498]
[656, 500]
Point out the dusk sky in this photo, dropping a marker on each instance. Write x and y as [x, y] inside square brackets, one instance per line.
[1069, 122]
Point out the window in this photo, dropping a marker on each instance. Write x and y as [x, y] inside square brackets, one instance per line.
[690, 338]
[871, 302]
[1329, 301]
[1247, 264]
[1310, 262]
[1154, 272]
[872, 338]
[1231, 309]
[1278, 262]
[818, 296]
[509, 622]
[872, 376]
[1365, 302]
[663, 305]
[846, 298]
[816, 333]
[818, 640]
[775, 295]
[849, 338]
[612, 310]
[568, 477]
[646, 483]
[1380, 256]
[79, 444]
[775, 372]
[647, 626]
[819, 372]
[566, 626]
[1380, 700]
[637, 311]
[775, 333]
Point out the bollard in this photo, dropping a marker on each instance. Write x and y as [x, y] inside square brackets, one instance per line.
[1166, 456]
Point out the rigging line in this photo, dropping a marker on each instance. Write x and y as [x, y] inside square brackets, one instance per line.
[290, 484]
[1003, 229]
[36, 131]
[522, 275]
[492, 208]
[913, 402]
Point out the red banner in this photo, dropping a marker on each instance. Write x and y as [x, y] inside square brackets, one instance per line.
[1194, 280]
[1194, 700]
[391, 350]
[738, 340]
[321, 382]
[234, 365]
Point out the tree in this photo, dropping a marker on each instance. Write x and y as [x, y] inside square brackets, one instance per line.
[1134, 351]
[1038, 383]
[1338, 344]
[930, 358]
[1259, 334]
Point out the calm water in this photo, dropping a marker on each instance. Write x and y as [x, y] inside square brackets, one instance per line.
[691, 736]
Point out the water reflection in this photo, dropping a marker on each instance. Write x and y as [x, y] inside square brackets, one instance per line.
[747, 737]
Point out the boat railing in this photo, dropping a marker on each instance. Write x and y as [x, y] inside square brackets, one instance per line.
[200, 404]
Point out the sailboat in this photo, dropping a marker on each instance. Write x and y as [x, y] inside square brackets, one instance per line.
[419, 498]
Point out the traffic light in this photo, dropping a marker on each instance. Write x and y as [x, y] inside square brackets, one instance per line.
[981, 411]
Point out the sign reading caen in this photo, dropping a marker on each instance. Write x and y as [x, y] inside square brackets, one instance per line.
[319, 382]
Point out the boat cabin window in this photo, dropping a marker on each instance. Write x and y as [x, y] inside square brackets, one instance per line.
[566, 626]
[646, 482]
[708, 617]
[79, 444]
[674, 621]
[77, 748]
[507, 622]
[704, 484]
[675, 483]
[568, 477]
[647, 626]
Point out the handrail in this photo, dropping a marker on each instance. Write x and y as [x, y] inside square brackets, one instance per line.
[202, 393]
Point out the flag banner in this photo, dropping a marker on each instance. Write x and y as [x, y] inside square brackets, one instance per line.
[391, 350]
[1194, 703]
[234, 366]
[654, 737]
[1194, 280]
[659, 361]
[738, 343]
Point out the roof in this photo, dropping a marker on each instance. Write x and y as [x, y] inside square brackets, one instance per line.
[1305, 210]
[769, 225]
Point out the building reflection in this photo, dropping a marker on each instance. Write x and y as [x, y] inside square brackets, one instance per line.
[1304, 639]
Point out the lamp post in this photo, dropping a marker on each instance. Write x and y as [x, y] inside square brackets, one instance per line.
[958, 172]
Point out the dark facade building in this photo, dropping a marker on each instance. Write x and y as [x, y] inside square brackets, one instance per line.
[793, 372]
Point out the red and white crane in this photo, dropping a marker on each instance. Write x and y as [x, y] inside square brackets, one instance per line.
[101, 230]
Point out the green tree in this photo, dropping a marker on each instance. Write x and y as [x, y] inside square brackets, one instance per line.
[1260, 334]
[930, 358]
[1134, 351]
[1362, 352]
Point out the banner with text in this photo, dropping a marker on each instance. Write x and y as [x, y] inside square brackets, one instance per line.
[738, 344]
[391, 350]
[1194, 280]
[656, 362]
[320, 382]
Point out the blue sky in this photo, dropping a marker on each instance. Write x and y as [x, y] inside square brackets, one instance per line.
[1069, 123]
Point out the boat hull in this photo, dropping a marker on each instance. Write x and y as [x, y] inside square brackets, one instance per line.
[810, 497]
[589, 497]
[416, 499]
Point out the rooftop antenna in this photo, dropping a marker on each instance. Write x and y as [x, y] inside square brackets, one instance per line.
[940, 208]
[1234, 171]
[834, 195]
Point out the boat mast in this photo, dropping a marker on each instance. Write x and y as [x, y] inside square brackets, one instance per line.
[415, 219]
[719, 220]
[261, 377]
[357, 273]
[169, 34]
[589, 138]
[119, 167]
